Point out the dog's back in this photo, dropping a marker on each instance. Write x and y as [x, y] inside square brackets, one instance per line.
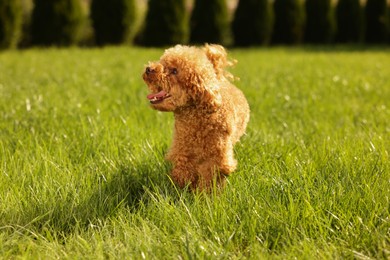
[237, 105]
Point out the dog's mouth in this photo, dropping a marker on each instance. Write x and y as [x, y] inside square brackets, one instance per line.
[159, 97]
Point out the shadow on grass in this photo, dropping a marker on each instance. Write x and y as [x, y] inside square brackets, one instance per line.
[128, 189]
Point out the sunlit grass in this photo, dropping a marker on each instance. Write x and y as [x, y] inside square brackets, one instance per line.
[83, 174]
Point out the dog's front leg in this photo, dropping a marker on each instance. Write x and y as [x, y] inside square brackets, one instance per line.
[183, 173]
[218, 163]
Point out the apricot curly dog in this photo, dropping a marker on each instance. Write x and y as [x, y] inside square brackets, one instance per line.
[210, 113]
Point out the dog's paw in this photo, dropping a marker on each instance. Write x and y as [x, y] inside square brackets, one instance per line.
[182, 178]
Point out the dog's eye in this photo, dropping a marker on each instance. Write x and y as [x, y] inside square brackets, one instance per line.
[174, 71]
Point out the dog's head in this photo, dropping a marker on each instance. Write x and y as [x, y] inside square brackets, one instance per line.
[187, 77]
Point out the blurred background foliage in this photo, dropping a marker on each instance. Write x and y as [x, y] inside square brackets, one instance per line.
[242, 23]
[166, 23]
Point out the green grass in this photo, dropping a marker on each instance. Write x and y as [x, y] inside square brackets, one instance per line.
[83, 174]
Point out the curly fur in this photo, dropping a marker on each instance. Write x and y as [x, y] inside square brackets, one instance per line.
[210, 113]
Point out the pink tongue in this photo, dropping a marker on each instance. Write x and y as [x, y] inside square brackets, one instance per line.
[160, 94]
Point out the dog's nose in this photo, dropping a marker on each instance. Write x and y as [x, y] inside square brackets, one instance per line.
[149, 70]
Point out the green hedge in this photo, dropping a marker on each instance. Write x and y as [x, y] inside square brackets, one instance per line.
[349, 21]
[289, 19]
[253, 22]
[10, 23]
[166, 23]
[210, 22]
[57, 22]
[377, 21]
[320, 24]
[113, 21]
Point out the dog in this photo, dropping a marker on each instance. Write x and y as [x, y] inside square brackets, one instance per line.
[211, 114]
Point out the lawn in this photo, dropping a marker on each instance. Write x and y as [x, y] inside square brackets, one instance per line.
[83, 174]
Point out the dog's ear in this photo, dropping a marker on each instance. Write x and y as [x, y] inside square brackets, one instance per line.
[211, 99]
[204, 94]
[217, 55]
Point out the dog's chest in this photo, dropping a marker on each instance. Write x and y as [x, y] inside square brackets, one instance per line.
[197, 130]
